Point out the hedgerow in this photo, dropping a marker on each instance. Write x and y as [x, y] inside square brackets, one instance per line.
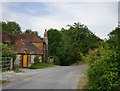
[103, 73]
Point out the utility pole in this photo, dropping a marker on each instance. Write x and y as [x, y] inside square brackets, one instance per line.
[118, 24]
[119, 14]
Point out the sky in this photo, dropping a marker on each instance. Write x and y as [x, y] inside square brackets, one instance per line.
[100, 17]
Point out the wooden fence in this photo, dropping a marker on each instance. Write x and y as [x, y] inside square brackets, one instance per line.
[6, 63]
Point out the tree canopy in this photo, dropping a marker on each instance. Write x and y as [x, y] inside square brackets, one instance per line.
[70, 44]
[114, 39]
[10, 27]
[54, 41]
[104, 71]
[29, 31]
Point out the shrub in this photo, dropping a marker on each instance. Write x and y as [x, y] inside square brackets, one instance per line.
[16, 69]
[56, 60]
[66, 60]
[7, 50]
[36, 60]
[104, 68]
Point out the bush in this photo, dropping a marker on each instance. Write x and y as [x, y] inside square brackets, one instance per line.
[104, 68]
[7, 50]
[36, 60]
[66, 60]
[56, 60]
[16, 69]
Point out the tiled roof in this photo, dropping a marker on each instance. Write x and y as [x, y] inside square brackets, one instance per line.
[27, 37]
[23, 43]
[26, 47]
[7, 37]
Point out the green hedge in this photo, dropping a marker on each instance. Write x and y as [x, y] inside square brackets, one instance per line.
[104, 70]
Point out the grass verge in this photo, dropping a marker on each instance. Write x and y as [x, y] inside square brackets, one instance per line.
[83, 82]
[3, 82]
[41, 65]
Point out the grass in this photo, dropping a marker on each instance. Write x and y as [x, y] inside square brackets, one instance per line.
[41, 65]
[82, 83]
[16, 69]
[3, 82]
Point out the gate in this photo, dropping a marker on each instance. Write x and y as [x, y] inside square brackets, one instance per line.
[6, 63]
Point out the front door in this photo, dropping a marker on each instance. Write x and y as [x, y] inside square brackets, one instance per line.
[25, 61]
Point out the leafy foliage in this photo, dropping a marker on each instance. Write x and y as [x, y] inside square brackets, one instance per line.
[54, 41]
[69, 45]
[114, 39]
[10, 27]
[104, 72]
[29, 31]
[7, 51]
[56, 60]
[39, 65]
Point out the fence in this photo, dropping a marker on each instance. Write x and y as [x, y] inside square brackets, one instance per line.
[6, 63]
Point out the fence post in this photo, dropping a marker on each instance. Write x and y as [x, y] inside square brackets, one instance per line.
[0, 64]
[11, 63]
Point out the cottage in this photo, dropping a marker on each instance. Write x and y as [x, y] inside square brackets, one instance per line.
[28, 47]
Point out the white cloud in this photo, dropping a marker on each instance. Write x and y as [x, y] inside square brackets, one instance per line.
[59, 0]
[101, 18]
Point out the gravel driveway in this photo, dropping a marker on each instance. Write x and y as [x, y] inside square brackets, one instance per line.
[58, 77]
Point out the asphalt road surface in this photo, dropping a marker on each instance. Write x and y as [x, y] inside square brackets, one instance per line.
[58, 77]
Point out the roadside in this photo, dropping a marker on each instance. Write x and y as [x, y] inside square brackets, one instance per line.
[58, 77]
[78, 63]
[22, 73]
[13, 77]
[83, 78]
[39, 65]
[75, 73]
[82, 81]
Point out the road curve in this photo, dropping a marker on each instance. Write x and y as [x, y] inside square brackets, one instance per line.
[59, 77]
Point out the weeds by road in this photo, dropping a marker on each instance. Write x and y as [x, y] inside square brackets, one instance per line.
[41, 65]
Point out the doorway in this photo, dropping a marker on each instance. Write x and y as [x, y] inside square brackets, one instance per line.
[25, 61]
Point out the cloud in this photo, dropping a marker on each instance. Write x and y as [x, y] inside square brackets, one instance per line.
[59, 0]
[101, 18]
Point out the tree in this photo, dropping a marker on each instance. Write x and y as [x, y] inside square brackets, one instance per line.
[114, 39]
[29, 31]
[54, 44]
[78, 40]
[70, 44]
[114, 43]
[104, 63]
[11, 27]
[54, 41]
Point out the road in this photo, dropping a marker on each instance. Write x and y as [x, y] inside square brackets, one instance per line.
[58, 77]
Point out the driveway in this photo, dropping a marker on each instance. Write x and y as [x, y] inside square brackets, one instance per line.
[58, 77]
